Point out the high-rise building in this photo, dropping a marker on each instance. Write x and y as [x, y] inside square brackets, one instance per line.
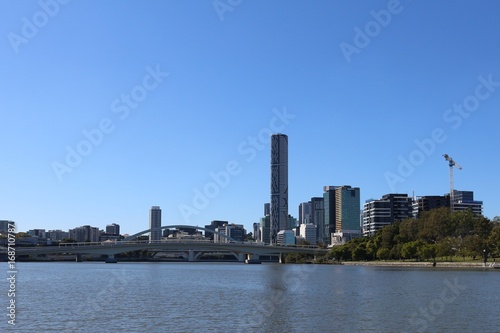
[389, 209]
[85, 233]
[318, 217]
[305, 212]
[330, 212]
[347, 206]
[429, 202]
[155, 223]
[308, 232]
[231, 230]
[464, 200]
[113, 229]
[267, 209]
[265, 229]
[279, 185]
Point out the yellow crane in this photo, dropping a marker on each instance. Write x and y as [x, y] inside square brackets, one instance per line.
[451, 164]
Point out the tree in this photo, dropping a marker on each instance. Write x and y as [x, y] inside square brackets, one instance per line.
[383, 253]
[409, 250]
[494, 240]
[427, 251]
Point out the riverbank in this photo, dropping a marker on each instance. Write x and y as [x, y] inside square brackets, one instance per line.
[447, 264]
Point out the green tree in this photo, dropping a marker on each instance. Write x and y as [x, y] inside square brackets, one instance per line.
[494, 240]
[409, 250]
[383, 253]
[427, 251]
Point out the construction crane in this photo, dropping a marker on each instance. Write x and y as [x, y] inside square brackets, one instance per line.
[451, 164]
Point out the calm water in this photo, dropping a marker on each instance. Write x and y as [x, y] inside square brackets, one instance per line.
[212, 297]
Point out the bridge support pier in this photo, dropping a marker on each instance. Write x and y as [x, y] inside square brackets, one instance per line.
[281, 257]
[253, 259]
[190, 255]
[79, 258]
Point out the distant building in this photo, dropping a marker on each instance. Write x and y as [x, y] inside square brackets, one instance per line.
[212, 226]
[385, 211]
[429, 202]
[265, 229]
[347, 206]
[57, 235]
[267, 209]
[342, 237]
[305, 212]
[85, 233]
[464, 200]
[256, 231]
[234, 231]
[155, 223]
[4, 226]
[318, 217]
[286, 237]
[37, 232]
[330, 213]
[113, 229]
[308, 233]
[279, 185]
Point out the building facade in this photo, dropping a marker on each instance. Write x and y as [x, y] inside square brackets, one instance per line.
[113, 229]
[279, 185]
[385, 211]
[155, 224]
[347, 206]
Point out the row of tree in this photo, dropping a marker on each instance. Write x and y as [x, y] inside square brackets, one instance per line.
[436, 233]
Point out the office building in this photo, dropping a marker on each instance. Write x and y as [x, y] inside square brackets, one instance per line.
[234, 231]
[4, 226]
[318, 217]
[85, 233]
[305, 212]
[57, 235]
[330, 212]
[464, 200]
[385, 211]
[212, 226]
[279, 185]
[347, 206]
[308, 233]
[286, 237]
[155, 224]
[429, 202]
[113, 229]
[265, 229]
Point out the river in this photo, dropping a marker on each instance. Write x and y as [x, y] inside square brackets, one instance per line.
[234, 297]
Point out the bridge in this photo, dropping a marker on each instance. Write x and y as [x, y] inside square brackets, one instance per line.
[244, 251]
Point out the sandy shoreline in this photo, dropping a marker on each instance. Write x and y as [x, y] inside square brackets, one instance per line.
[421, 264]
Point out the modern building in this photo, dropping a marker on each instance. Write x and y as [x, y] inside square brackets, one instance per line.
[286, 237]
[464, 200]
[347, 206]
[212, 226]
[113, 229]
[330, 214]
[57, 235]
[85, 233]
[305, 212]
[234, 231]
[256, 231]
[390, 208]
[155, 224]
[4, 226]
[308, 232]
[267, 209]
[342, 237]
[318, 217]
[279, 185]
[265, 229]
[429, 202]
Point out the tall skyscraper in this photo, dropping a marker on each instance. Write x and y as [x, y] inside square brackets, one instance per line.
[279, 185]
[155, 223]
[330, 212]
[347, 208]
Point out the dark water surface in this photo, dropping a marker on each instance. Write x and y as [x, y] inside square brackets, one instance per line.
[213, 297]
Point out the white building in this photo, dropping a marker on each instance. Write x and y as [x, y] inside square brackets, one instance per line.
[308, 232]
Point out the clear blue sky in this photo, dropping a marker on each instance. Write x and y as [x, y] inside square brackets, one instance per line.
[354, 105]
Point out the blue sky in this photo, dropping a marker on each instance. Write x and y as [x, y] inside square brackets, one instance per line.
[158, 98]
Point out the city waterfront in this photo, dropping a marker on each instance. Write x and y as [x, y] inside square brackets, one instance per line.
[233, 297]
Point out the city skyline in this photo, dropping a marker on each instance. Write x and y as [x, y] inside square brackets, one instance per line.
[173, 104]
